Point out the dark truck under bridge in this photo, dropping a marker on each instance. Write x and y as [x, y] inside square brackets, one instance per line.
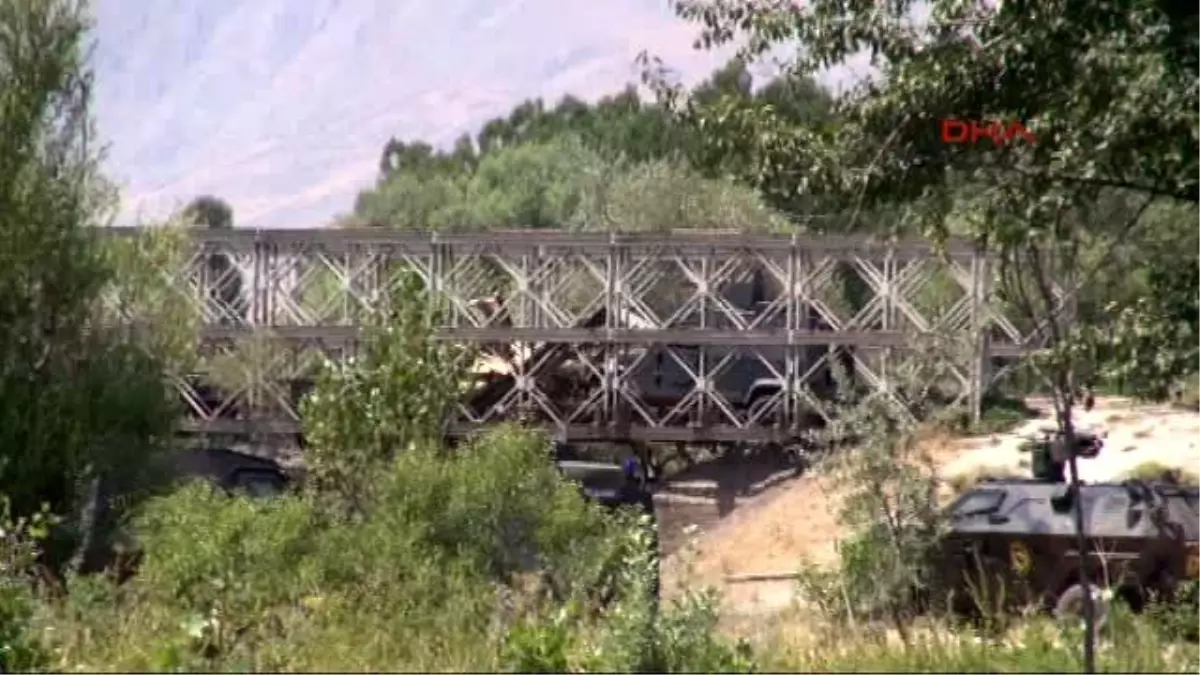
[682, 337]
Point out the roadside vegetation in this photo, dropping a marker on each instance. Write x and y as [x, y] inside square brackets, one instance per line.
[401, 555]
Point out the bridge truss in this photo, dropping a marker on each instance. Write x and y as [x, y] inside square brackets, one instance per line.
[671, 334]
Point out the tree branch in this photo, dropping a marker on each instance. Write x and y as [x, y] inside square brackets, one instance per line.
[1189, 193]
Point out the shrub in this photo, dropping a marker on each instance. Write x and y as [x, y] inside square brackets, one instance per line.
[430, 580]
[397, 395]
[629, 635]
[1177, 617]
[21, 650]
[890, 509]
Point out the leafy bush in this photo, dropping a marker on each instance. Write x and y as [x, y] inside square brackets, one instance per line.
[21, 650]
[1177, 617]
[431, 580]
[890, 507]
[397, 395]
[629, 635]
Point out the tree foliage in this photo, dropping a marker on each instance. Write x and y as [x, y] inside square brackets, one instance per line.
[76, 398]
[1106, 86]
[561, 183]
[395, 396]
[535, 166]
[151, 313]
[209, 212]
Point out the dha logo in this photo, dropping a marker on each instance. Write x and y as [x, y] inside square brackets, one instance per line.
[972, 131]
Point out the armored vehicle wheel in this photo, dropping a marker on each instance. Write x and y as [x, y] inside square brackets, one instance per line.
[1070, 604]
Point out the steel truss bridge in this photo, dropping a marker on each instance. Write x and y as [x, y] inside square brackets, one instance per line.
[669, 333]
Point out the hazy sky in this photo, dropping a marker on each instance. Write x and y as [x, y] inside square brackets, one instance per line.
[281, 106]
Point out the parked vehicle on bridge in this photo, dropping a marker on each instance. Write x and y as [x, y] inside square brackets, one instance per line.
[747, 379]
[662, 378]
[1014, 541]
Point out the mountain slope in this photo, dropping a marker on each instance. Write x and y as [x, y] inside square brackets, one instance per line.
[281, 106]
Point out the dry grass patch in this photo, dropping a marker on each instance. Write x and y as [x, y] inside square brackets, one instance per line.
[797, 641]
[1154, 471]
[961, 482]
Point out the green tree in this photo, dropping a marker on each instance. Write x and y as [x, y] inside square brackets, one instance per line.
[623, 126]
[78, 401]
[666, 195]
[535, 185]
[209, 212]
[1062, 67]
[422, 159]
[1145, 309]
[562, 183]
[395, 397]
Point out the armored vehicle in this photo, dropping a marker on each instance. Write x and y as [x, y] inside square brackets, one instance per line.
[1018, 537]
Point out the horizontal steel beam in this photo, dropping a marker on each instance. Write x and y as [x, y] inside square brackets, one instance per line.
[585, 433]
[578, 433]
[342, 336]
[550, 241]
[243, 427]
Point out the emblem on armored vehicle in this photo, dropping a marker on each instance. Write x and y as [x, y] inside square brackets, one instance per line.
[1018, 555]
[1192, 567]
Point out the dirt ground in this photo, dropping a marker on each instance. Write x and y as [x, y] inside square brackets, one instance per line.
[770, 533]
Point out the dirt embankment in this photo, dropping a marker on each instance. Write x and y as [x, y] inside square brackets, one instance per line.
[745, 532]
